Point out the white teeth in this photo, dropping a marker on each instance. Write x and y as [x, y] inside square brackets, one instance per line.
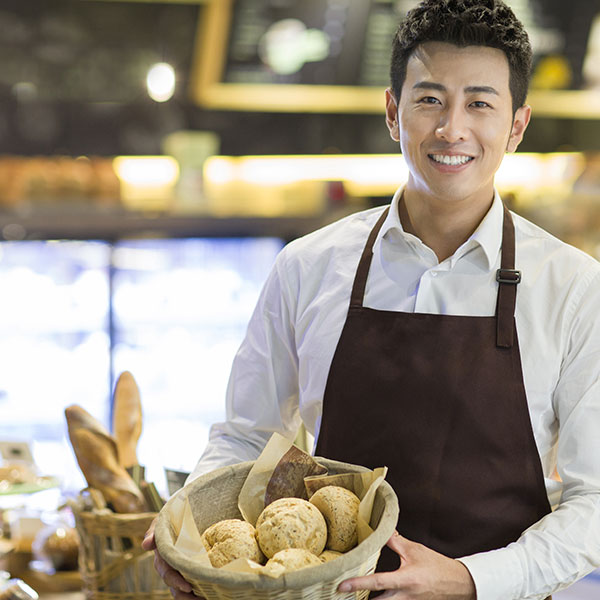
[451, 160]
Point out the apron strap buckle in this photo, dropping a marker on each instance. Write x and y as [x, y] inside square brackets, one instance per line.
[508, 276]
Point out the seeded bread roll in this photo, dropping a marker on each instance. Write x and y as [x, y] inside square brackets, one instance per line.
[328, 555]
[339, 506]
[230, 539]
[291, 523]
[293, 559]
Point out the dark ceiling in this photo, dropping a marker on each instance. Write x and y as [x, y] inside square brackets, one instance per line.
[72, 81]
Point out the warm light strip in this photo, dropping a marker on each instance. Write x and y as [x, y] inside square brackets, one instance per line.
[531, 170]
[363, 169]
[539, 171]
[147, 171]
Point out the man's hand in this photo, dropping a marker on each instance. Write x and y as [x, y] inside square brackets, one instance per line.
[180, 588]
[423, 575]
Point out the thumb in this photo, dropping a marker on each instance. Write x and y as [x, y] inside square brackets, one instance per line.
[400, 545]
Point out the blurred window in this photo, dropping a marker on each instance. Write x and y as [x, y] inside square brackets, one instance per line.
[75, 314]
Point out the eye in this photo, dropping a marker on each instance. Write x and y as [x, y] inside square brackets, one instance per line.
[429, 100]
[480, 104]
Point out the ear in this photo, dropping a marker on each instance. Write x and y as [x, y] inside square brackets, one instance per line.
[520, 122]
[391, 115]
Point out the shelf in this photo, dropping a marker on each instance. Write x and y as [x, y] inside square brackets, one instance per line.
[565, 104]
[557, 104]
[39, 485]
[104, 225]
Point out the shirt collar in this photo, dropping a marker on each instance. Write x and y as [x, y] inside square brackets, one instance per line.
[488, 235]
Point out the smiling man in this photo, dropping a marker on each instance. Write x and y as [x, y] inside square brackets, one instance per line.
[442, 336]
[454, 120]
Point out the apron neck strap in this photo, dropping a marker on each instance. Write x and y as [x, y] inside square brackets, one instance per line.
[507, 278]
[360, 279]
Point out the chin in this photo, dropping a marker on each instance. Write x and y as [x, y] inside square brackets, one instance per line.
[457, 193]
[450, 193]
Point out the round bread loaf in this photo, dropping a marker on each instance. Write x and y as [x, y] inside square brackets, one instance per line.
[339, 506]
[291, 523]
[293, 559]
[230, 539]
[328, 555]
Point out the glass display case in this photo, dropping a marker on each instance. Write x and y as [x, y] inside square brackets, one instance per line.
[74, 314]
[180, 310]
[55, 345]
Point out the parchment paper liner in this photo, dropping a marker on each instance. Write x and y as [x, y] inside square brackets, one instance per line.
[275, 474]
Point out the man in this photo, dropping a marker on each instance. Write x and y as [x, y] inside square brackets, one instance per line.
[442, 336]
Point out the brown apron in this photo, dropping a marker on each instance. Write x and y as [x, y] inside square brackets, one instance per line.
[440, 400]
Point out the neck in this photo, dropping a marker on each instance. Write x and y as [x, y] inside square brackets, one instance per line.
[442, 225]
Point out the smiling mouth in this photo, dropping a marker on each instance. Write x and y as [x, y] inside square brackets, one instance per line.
[452, 160]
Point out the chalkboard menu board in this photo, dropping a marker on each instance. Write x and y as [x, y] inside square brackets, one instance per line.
[296, 55]
[313, 42]
[333, 55]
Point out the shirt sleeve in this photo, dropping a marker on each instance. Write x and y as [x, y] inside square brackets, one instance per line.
[564, 545]
[262, 393]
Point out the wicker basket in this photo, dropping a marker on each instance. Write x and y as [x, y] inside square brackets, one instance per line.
[213, 497]
[112, 564]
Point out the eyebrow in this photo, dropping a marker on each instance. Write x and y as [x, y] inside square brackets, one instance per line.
[471, 89]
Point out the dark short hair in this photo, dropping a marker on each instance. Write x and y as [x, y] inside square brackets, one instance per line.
[465, 23]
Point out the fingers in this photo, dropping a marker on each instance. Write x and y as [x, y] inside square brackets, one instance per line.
[148, 542]
[170, 576]
[180, 588]
[377, 581]
[391, 581]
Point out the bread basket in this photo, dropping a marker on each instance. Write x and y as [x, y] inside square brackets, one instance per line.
[112, 564]
[214, 497]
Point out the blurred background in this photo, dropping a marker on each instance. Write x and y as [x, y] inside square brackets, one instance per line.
[155, 156]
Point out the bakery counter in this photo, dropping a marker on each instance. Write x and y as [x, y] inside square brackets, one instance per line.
[83, 223]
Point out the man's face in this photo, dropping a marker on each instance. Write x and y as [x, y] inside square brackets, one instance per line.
[455, 120]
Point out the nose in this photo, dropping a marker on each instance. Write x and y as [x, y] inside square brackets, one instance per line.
[452, 126]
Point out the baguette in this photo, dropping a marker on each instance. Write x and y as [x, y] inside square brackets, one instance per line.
[127, 418]
[97, 456]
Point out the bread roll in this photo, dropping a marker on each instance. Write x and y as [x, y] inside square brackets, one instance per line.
[230, 539]
[96, 453]
[291, 523]
[293, 559]
[328, 555]
[339, 506]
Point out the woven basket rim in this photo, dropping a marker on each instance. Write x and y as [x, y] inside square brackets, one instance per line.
[109, 515]
[328, 571]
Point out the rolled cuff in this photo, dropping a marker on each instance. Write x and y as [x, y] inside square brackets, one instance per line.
[497, 574]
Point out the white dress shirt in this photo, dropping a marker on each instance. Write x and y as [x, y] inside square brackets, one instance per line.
[279, 373]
